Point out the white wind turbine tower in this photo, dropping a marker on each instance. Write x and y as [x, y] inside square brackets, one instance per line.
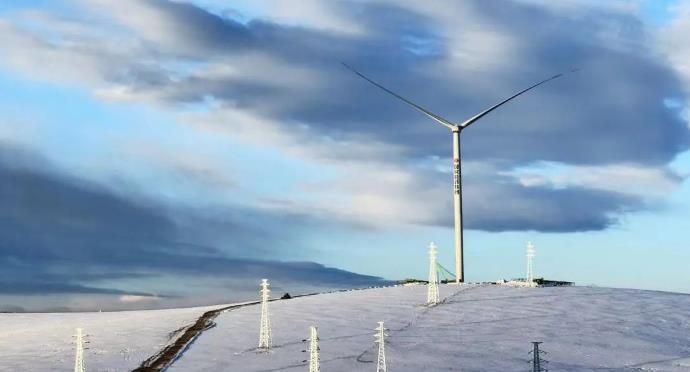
[530, 264]
[455, 129]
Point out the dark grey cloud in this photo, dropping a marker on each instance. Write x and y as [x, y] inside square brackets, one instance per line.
[11, 309]
[509, 206]
[199, 30]
[497, 203]
[42, 288]
[60, 234]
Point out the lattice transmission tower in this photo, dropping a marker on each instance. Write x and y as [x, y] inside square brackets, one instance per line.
[314, 350]
[538, 363]
[79, 353]
[432, 297]
[265, 331]
[380, 338]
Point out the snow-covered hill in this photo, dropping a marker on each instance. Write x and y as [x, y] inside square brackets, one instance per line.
[477, 328]
[118, 341]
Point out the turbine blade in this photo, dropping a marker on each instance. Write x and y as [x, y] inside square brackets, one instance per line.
[426, 112]
[471, 120]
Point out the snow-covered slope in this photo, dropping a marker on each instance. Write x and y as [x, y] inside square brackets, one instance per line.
[477, 328]
[118, 341]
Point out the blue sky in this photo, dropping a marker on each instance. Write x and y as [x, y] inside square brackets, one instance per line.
[145, 144]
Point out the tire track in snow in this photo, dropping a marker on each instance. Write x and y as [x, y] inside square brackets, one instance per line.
[173, 351]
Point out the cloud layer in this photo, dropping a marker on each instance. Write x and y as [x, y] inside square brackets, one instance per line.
[273, 81]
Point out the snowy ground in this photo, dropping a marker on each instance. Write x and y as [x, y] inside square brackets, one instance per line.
[483, 328]
[477, 329]
[119, 341]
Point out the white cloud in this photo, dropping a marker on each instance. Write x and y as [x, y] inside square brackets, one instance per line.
[674, 37]
[365, 188]
[29, 54]
[675, 44]
[578, 7]
[619, 178]
[136, 299]
[317, 14]
[474, 44]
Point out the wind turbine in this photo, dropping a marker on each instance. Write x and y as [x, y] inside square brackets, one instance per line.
[455, 129]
